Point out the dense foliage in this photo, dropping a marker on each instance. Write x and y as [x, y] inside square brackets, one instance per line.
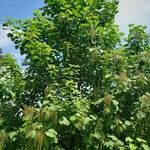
[82, 87]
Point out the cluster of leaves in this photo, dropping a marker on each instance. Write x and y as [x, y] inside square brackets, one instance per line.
[80, 89]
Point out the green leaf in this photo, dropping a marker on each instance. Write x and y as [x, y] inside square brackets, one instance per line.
[86, 120]
[32, 133]
[109, 144]
[145, 147]
[12, 135]
[128, 139]
[72, 118]
[12, 94]
[140, 115]
[127, 123]
[96, 135]
[140, 140]
[52, 134]
[113, 137]
[64, 121]
[132, 146]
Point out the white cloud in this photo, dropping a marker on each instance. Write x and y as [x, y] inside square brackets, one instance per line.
[133, 11]
[4, 40]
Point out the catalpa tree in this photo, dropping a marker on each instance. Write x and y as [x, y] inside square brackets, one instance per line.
[82, 89]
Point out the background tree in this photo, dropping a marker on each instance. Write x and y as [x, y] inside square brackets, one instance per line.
[80, 90]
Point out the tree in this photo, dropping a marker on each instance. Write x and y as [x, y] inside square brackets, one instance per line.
[80, 89]
[11, 87]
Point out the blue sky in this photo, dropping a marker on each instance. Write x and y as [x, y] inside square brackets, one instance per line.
[19, 9]
[130, 11]
[133, 11]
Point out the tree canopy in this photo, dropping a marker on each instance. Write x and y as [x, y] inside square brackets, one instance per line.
[82, 88]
